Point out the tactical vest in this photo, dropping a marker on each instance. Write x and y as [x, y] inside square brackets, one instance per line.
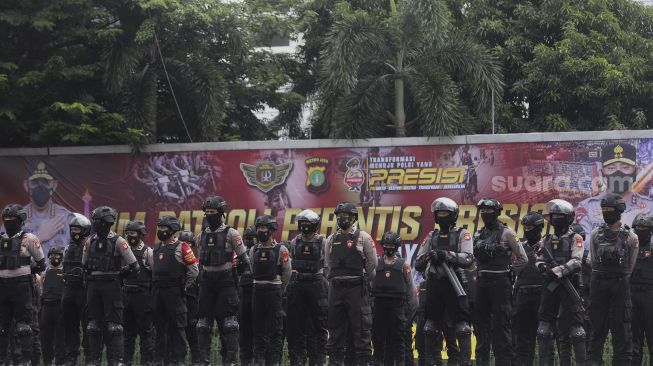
[611, 254]
[448, 241]
[307, 255]
[643, 272]
[72, 264]
[389, 280]
[167, 271]
[490, 253]
[559, 247]
[10, 248]
[345, 259]
[100, 255]
[214, 250]
[53, 284]
[529, 276]
[144, 277]
[265, 266]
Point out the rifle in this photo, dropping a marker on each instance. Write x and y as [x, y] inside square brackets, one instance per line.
[453, 279]
[564, 281]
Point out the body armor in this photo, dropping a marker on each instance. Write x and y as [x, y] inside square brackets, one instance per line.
[72, 264]
[448, 241]
[345, 259]
[529, 276]
[214, 250]
[307, 255]
[10, 257]
[265, 266]
[144, 276]
[53, 284]
[101, 257]
[643, 273]
[167, 271]
[559, 247]
[611, 251]
[389, 280]
[491, 254]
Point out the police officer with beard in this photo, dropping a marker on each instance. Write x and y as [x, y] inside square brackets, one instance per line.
[641, 285]
[613, 255]
[246, 283]
[566, 248]
[73, 301]
[50, 320]
[392, 289]
[192, 304]
[449, 246]
[218, 293]
[308, 304]
[497, 251]
[137, 313]
[528, 291]
[271, 267]
[350, 256]
[17, 249]
[107, 256]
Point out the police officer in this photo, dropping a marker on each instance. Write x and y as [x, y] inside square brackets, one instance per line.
[218, 293]
[392, 288]
[73, 301]
[50, 316]
[613, 254]
[528, 290]
[566, 250]
[496, 248]
[137, 313]
[641, 285]
[107, 256]
[192, 304]
[350, 256]
[449, 246]
[174, 269]
[271, 267]
[17, 249]
[246, 285]
[308, 305]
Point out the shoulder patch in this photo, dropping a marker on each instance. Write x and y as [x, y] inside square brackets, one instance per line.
[579, 241]
[239, 240]
[37, 242]
[187, 253]
[406, 268]
[285, 256]
[467, 236]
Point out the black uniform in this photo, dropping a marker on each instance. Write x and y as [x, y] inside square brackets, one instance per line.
[192, 304]
[307, 303]
[641, 285]
[528, 291]
[246, 335]
[51, 319]
[613, 255]
[137, 313]
[73, 302]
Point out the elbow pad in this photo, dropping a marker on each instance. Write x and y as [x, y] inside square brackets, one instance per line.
[421, 263]
[244, 266]
[39, 266]
[571, 267]
[132, 268]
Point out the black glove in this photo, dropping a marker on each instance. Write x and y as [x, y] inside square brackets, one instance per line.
[438, 256]
[542, 268]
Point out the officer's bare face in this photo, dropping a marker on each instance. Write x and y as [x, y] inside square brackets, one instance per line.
[641, 228]
[8, 218]
[442, 213]
[131, 233]
[528, 227]
[557, 216]
[210, 211]
[618, 166]
[262, 228]
[607, 209]
[486, 210]
[343, 215]
[75, 230]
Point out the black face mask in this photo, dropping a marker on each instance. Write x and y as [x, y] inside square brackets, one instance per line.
[389, 251]
[306, 228]
[102, 228]
[12, 227]
[610, 217]
[489, 219]
[533, 236]
[41, 195]
[620, 182]
[444, 222]
[163, 235]
[344, 223]
[249, 243]
[559, 224]
[214, 220]
[55, 262]
[263, 236]
[644, 236]
[76, 237]
[133, 240]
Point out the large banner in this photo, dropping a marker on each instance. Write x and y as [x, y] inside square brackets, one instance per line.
[393, 185]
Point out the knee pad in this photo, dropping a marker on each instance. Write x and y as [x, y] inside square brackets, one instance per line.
[114, 328]
[577, 334]
[544, 331]
[204, 326]
[429, 328]
[463, 329]
[93, 328]
[230, 324]
[23, 329]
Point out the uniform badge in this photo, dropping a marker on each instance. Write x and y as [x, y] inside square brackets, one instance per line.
[124, 246]
[387, 273]
[350, 243]
[284, 256]
[160, 256]
[239, 241]
[210, 241]
[467, 236]
[100, 245]
[264, 255]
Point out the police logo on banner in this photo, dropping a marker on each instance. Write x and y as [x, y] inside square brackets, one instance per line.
[316, 175]
[266, 175]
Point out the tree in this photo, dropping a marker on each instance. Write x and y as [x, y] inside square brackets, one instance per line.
[402, 70]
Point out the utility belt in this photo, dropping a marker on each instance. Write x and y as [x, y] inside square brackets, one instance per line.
[267, 286]
[17, 279]
[103, 277]
[536, 289]
[50, 302]
[221, 276]
[347, 282]
[486, 274]
[134, 289]
[310, 276]
[640, 287]
[608, 275]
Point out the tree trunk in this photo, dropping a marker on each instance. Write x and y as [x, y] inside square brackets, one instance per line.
[400, 113]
